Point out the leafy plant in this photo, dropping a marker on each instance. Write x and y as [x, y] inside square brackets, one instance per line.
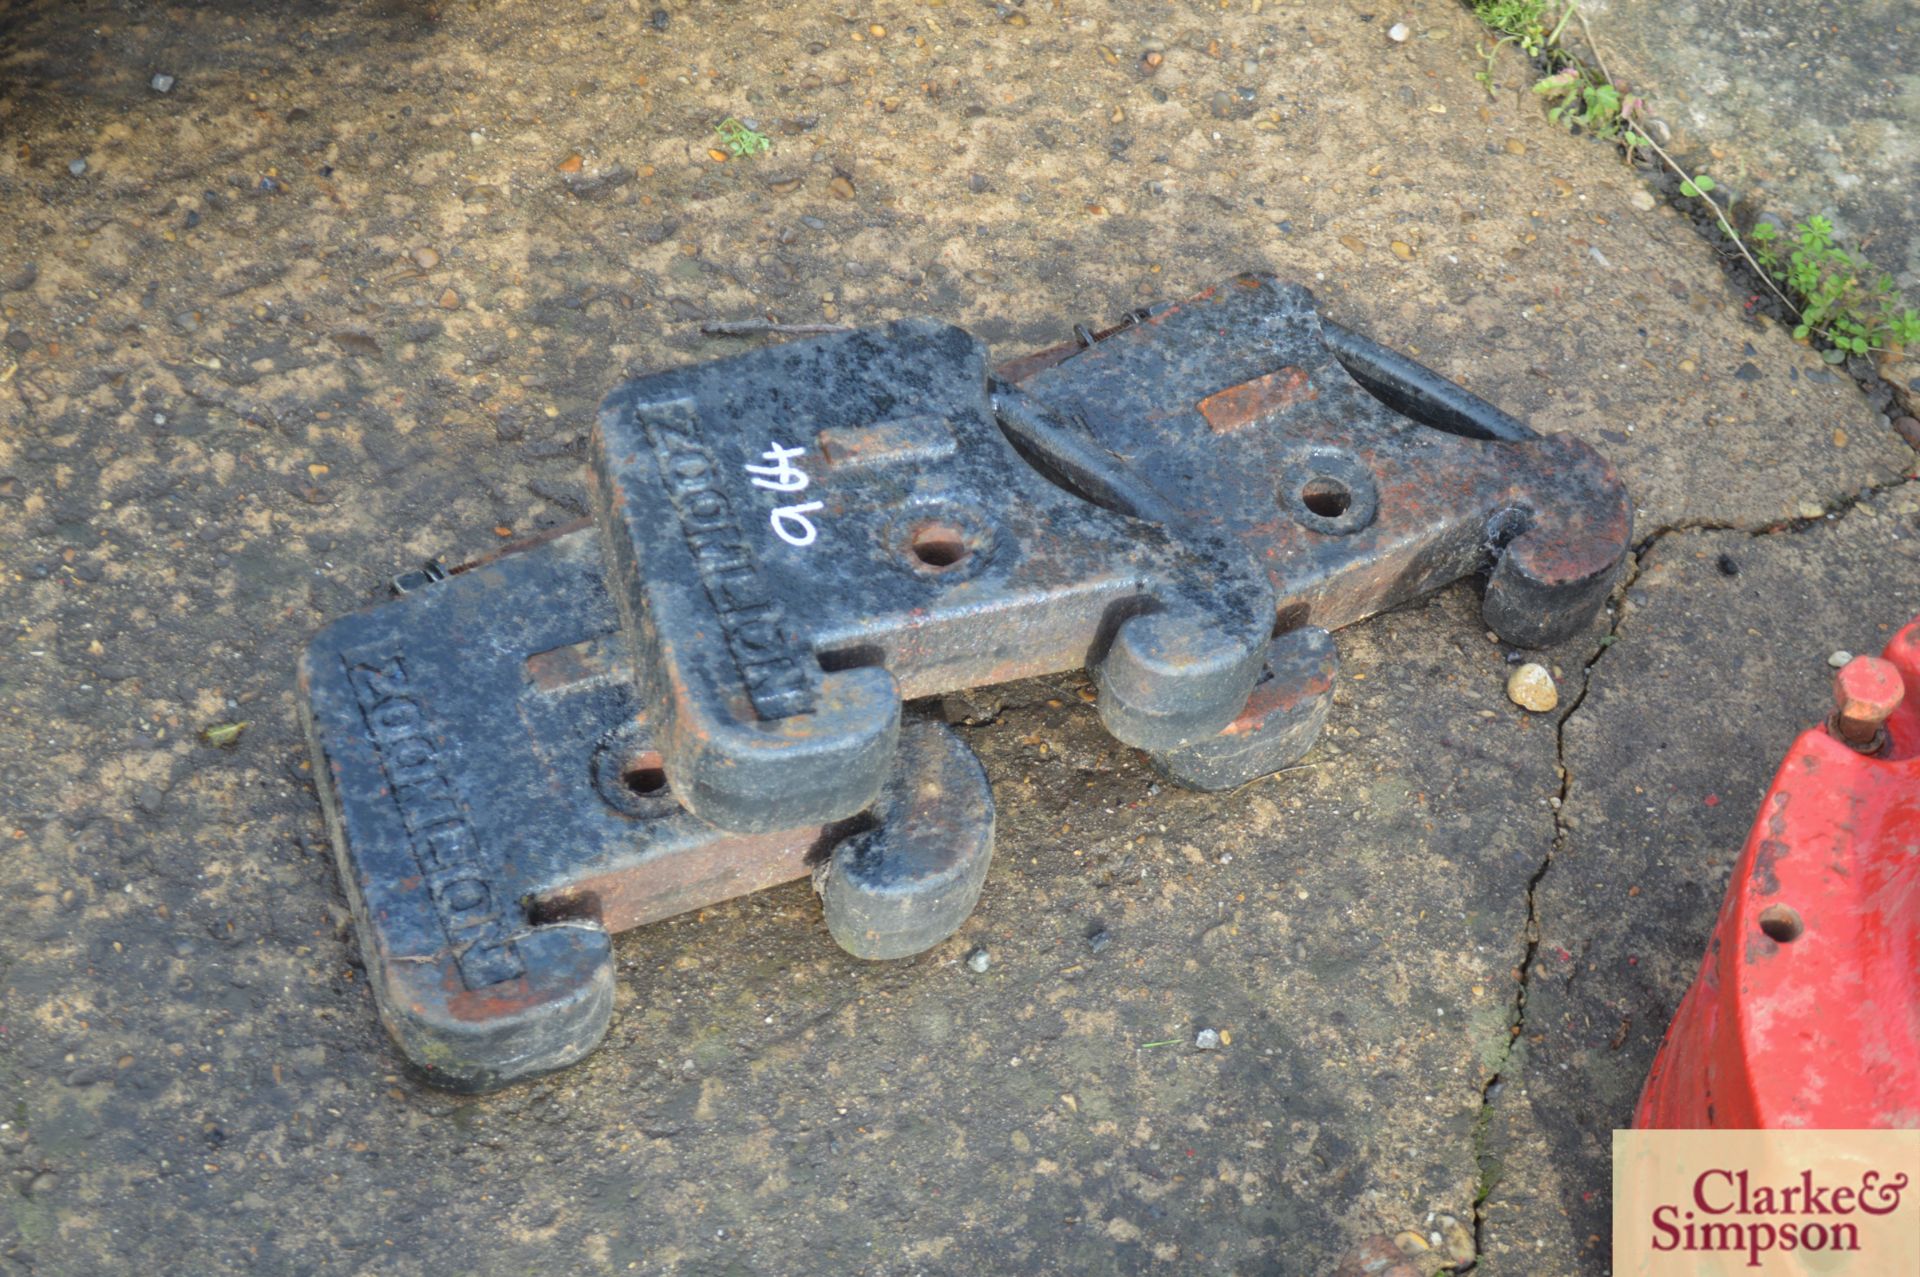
[1839, 297]
[740, 141]
[1523, 22]
[1581, 98]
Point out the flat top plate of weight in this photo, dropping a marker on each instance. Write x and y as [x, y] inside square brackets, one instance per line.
[803, 535]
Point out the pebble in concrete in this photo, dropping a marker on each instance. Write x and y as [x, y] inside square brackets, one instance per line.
[1531, 687]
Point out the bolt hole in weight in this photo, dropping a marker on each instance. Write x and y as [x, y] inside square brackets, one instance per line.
[645, 774]
[1781, 924]
[1326, 497]
[938, 545]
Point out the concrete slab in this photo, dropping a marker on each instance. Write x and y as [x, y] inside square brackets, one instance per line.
[1797, 109]
[1801, 107]
[1721, 659]
[342, 298]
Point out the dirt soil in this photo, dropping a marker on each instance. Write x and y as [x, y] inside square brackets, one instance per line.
[345, 295]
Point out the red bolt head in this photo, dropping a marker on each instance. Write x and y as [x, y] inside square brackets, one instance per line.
[1865, 692]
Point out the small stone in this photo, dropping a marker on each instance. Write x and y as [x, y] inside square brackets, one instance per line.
[1458, 1239]
[1207, 1040]
[1375, 1256]
[1531, 688]
[978, 961]
[598, 186]
[161, 83]
[77, 167]
[1398, 33]
[1514, 146]
[658, 19]
[425, 258]
[1909, 430]
[1642, 200]
[1222, 105]
[841, 188]
[1839, 658]
[449, 300]
[1098, 940]
[1402, 250]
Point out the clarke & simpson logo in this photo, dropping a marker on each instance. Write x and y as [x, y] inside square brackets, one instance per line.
[1703, 1203]
[1727, 1211]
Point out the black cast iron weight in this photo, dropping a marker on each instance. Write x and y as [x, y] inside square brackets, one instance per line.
[702, 694]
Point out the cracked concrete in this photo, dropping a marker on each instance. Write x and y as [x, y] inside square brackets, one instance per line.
[1718, 660]
[337, 302]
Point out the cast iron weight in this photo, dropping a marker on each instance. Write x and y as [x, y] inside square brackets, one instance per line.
[594, 732]
[804, 536]
[497, 810]
[1355, 477]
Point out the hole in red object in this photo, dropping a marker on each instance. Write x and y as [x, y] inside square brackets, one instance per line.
[939, 545]
[1781, 924]
[1328, 498]
[645, 773]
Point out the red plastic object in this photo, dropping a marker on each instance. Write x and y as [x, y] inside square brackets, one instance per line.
[1806, 1011]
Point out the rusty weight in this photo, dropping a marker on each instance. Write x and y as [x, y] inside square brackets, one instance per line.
[498, 809]
[702, 695]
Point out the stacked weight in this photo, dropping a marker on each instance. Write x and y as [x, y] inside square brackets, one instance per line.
[702, 694]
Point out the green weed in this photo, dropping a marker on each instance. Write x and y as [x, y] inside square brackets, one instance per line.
[740, 141]
[1840, 297]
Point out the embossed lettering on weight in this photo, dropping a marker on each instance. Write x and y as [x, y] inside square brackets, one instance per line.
[775, 676]
[440, 836]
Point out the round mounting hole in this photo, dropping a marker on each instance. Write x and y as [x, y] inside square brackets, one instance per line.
[1326, 497]
[938, 545]
[1781, 924]
[645, 774]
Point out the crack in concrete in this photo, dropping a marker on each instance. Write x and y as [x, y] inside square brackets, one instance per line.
[1486, 1165]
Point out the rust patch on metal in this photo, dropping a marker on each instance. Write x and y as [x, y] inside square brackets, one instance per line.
[1279, 696]
[1240, 406]
[694, 877]
[1771, 851]
[577, 663]
[901, 441]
